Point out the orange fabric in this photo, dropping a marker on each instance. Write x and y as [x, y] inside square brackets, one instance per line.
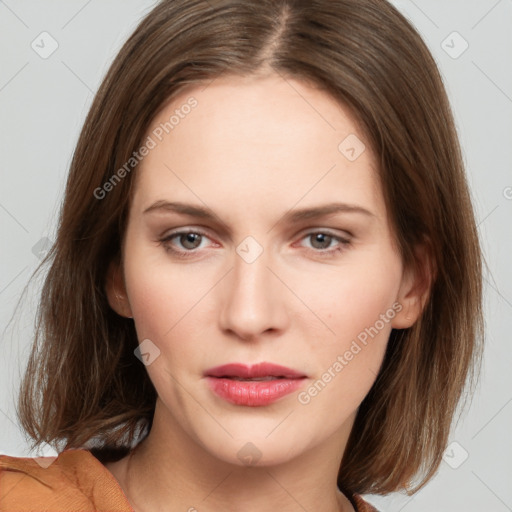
[75, 481]
[360, 505]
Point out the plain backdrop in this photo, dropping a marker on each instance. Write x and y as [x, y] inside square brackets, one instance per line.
[44, 99]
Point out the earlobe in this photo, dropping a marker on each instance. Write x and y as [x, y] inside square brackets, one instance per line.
[116, 291]
[412, 307]
[415, 289]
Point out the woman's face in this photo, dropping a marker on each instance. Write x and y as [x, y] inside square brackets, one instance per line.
[264, 275]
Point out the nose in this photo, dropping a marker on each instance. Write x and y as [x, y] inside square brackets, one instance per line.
[253, 300]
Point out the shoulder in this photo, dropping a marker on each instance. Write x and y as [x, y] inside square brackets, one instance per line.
[73, 481]
[361, 505]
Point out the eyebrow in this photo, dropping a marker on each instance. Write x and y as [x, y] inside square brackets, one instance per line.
[290, 217]
[293, 215]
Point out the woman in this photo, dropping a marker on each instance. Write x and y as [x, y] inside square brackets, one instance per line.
[265, 291]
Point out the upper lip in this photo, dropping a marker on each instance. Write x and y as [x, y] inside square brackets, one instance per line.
[256, 370]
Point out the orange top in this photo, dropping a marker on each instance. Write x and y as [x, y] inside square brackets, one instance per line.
[76, 481]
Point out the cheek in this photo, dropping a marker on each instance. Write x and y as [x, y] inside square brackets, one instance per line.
[165, 299]
[359, 305]
[171, 307]
[164, 306]
[352, 297]
[362, 302]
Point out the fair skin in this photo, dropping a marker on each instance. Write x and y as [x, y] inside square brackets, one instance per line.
[252, 150]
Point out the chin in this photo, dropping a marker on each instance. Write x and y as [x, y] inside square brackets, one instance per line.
[257, 451]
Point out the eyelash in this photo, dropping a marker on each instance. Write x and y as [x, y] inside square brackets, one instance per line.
[165, 241]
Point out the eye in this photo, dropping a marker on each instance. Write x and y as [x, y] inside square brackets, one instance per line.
[322, 242]
[188, 241]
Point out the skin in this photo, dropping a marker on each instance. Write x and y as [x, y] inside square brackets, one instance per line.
[253, 149]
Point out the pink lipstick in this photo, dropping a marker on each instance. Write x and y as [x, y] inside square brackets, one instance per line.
[253, 386]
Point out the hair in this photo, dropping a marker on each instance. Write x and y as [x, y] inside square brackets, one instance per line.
[82, 384]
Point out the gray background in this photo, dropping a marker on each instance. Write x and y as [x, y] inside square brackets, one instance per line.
[43, 102]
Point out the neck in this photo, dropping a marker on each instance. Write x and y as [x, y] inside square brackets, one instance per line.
[170, 471]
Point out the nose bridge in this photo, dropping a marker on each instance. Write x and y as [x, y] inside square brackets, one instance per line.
[250, 267]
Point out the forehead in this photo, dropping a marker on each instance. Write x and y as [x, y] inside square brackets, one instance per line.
[247, 140]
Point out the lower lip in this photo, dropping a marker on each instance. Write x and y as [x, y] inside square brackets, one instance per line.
[253, 393]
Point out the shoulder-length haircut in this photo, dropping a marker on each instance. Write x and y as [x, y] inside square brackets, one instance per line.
[83, 383]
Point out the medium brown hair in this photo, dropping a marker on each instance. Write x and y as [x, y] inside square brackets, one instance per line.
[84, 386]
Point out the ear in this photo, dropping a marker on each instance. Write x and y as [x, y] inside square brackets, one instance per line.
[415, 287]
[116, 290]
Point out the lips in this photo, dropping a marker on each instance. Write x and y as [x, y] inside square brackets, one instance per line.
[257, 372]
[253, 386]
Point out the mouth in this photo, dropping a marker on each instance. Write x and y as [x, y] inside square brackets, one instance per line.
[254, 386]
